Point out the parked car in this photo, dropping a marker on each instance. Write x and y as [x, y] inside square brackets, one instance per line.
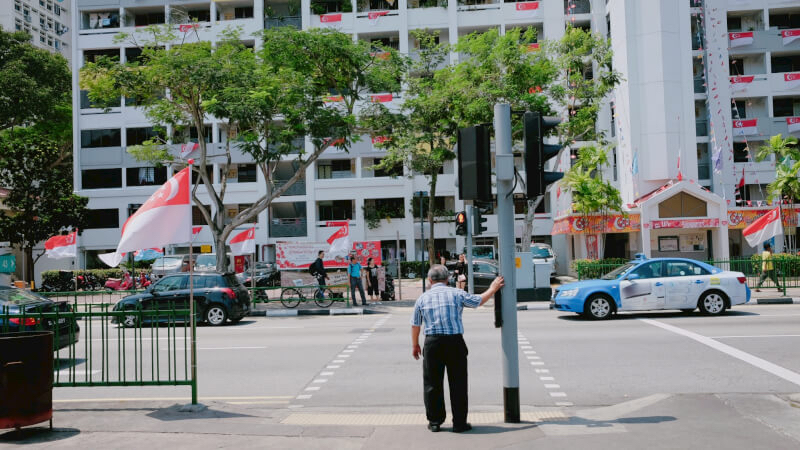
[651, 284]
[543, 252]
[218, 297]
[169, 264]
[207, 262]
[15, 301]
[483, 272]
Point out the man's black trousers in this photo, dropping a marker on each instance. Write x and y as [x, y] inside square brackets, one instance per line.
[445, 352]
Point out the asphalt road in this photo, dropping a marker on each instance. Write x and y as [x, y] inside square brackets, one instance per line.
[722, 381]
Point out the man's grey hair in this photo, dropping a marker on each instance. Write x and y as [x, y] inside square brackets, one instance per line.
[438, 272]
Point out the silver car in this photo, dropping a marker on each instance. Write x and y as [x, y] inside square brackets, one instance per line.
[545, 252]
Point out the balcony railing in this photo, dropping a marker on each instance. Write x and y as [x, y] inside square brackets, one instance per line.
[287, 21]
[298, 188]
[288, 227]
[701, 127]
[699, 85]
[577, 7]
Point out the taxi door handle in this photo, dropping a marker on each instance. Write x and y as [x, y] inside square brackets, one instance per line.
[698, 282]
[658, 283]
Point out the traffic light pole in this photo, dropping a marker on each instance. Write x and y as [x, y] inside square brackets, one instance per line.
[504, 163]
[470, 281]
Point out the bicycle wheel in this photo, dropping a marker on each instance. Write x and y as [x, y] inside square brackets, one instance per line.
[324, 302]
[291, 297]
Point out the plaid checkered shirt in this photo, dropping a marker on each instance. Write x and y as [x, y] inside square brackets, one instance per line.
[440, 309]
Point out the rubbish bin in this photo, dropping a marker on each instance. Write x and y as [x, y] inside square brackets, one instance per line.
[26, 378]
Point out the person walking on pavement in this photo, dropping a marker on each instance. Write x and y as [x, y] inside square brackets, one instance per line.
[317, 269]
[767, 269]
[440, 309]
[461, 272]
[372, 280]
[354, 270]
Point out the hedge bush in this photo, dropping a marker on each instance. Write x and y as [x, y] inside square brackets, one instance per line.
[54, 277]
[596, 268]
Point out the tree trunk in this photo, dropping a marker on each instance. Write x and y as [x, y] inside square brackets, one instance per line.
[431, 218]
[28, 264]
[222, 253]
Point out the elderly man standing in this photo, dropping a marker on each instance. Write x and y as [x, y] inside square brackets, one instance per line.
[440, 309]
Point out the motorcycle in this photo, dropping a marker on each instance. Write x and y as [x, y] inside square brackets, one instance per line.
[86, 282]
[144, 280]
[120, 284]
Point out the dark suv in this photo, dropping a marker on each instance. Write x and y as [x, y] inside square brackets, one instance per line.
[218, 297]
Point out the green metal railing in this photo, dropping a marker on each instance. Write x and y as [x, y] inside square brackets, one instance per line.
[299, 294]
[786, 271]
[97, 346]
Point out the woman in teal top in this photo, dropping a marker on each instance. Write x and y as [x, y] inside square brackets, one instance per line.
[354, 270]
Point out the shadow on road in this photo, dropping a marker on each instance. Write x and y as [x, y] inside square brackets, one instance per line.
[174, 413]
[37, 435]
[491, 429]
[654, 315]
[589, 423]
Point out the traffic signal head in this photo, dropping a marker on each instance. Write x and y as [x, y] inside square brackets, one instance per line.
[535, 127]
[474, 164]
[461, 223]
[477, 221]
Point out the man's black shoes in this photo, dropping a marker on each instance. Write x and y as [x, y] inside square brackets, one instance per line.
[435, 427]
[461, 428]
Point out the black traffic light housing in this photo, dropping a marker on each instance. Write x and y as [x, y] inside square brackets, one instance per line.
[474, 164]
[461, 223]
[477, 221]
[537, 152]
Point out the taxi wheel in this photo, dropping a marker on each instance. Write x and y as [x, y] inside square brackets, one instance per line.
[598, 307]
[712, 303]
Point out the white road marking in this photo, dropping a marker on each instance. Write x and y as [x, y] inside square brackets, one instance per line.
[537, 363]
[781, 372]
[320, 380]
[526, 347]
[529, 352]
[295, 406]
[230, 348]
[757, 336]
[534, 357]
[342, 356]
[326, 373]
[546, 378]
[558, 394]
[551, 386]
[349, 350]
[564, 404]
[332, 367]
[338, 361]
[312, 388]
[303, 397]
[542, 370]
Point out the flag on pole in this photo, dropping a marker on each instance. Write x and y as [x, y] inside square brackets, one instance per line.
[165, 218]
[339, 240]
[740, 39]
[680, 175]
[745, 127]
[147, 254]
[62, 246]
[789, 36]
[739, 189]
[765, 227]
[244, 243]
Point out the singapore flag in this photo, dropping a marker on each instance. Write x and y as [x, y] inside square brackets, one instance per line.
[792, 80]
[61, 246]
[165, 218]
[244, 243]
[339, 240]
[793, 124]
[765, 227]
[740, 39]
[745, 127]
[789, 36]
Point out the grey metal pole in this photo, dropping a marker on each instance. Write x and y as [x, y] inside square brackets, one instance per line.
[399, 281]
[504, 163]
[470, 281]
[422, 238]
[194, 325]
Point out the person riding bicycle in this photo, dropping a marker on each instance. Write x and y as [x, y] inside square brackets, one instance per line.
[317, 269]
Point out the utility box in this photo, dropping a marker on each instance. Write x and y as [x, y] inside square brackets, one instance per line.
[524, 269]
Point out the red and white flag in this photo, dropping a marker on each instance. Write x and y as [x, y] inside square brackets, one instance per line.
[739, 190]
[374, 17]
[381, 98]
[740, 83]
[330, 18]
[740, 39]
[745, 127]
[528, 9]
[165, 218]
[244, 243]
[789, 36]
[188, 148]
[792, 80]
[62, 246]
[764, 228]
[793, 124]
[339, 240]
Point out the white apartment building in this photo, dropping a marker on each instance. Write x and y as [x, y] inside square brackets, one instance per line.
[47, 21]
[655, 116]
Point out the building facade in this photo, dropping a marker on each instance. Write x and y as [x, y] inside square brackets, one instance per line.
[47, 21]
[654, 118]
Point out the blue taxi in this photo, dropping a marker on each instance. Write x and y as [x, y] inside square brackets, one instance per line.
[654, 284]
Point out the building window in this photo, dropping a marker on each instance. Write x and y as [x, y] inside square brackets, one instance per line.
[784, 20]
[146, 176]
[197, 216]
[382, 208]
[336, 210]
[108, 137]
[785, 106]
[149, 18]
[200, 15]
[93, 55]
[782, 64]
[244, 12]
[394, 171]
[137, 136]
[56, 10]
[17, 5]
[739, 109]
[735, 23]
[337, 168]
[49, 5]
[703, 162]
[614, 160]
[247, 173]
[101, 178]
[741, 153]
[102, 218]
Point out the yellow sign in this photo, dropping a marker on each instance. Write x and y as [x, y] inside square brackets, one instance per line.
[518, 262]
[714, 280]
[205, 249]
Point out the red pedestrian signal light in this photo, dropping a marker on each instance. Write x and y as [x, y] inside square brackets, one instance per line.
[461, 223]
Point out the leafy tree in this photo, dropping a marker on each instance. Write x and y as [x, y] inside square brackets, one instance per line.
[786, 186]
[34, 81]
[267, 100]
[40, 202]
[35, 146]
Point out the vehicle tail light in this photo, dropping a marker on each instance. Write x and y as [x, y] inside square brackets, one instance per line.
[29, 321]
[229, 292]
[742, 280]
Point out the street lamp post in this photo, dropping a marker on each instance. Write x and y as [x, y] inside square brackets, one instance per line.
[422, 195]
